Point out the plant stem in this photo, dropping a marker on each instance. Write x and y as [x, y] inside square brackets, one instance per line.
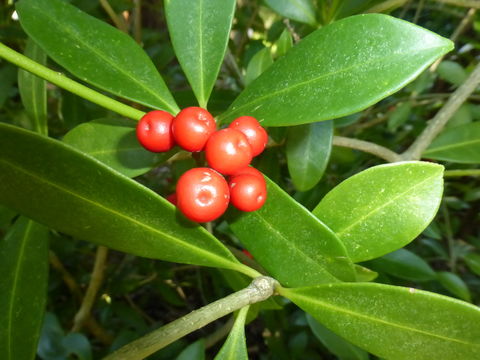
[466, 21]
[464, 3]
[137, 21]
[117, 20]
[368, 147]
[436, 125]
[295, 36]
[467, 172]
[68, 84]
[91, 324]
[386, 5]
[94, 285]
[260, 289]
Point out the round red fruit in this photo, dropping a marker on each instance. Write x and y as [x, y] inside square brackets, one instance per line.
[248, 192]
[202, 194]
[192, 127]
[256, 135]
[248, 170]
[154, 131]
[227, 151]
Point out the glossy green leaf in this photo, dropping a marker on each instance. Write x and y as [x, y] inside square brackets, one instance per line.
[199, 30]
[338, 70]
[383, 208]
[334, 343]
[258, 64]
[452, 72]
[364, 274]
[394, 322]
[290, 243]
[114, 142]
[461, 117]
[299, 10]
[459, 144]
[454, 284]
[399, 116]
[23, 285]
[33, 90]
[473, 262]
[283, 44]
[308, 152]
[58, 186]
[195, 351]
[95, 52]
[235, 347]
[404, 264]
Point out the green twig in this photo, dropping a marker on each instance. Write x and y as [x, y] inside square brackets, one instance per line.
[436, 125]
[118, 21]
[94, 285]
[463, 3]
[386, 6]
[68, 84]
[260, 289]
[462, 26]
[457, 173]
[368, 147]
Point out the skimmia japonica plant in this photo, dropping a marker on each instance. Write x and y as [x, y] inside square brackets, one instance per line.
[314, 247]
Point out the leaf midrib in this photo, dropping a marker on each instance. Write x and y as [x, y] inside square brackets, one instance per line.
[300, 84]
[373, 211]
[14, 289]
[293, 247]
[378, 320]
[107, 60]
[433, 150]
[178, 241]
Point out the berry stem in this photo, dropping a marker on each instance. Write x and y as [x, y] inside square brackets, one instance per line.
[68, 84]
[259, 289]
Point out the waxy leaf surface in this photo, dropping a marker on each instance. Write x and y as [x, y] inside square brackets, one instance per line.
[290, 243]
[383, 208]
[114, 142]
[298, 10]
[460, 144]
[68, 191]
[235, 347]
[339, 70]
[455, 285]
[308, 152]
[23, 288]
[95, 52]
[405, 265]
[394, 322]
[199, 30]
[33, 90]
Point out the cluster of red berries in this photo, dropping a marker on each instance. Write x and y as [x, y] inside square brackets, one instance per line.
[203, 194]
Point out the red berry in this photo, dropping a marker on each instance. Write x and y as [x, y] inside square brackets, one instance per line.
[154, 131]
[248, 192]
[256, 135]
[248, 170]
[202, 194]
[192, 127]
[227, 151]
